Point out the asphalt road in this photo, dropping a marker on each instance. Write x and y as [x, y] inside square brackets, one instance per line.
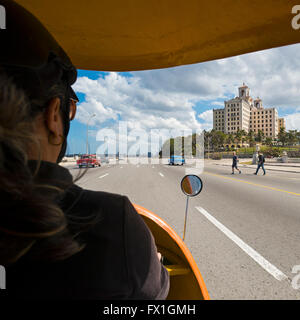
[243, 230]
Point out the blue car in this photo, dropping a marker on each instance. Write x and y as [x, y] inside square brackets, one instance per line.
[179, 160]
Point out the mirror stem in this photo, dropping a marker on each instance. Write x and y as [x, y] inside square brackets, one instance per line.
[185, 219]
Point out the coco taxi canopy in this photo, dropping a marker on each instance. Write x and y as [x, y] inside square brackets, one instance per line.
[137, 35]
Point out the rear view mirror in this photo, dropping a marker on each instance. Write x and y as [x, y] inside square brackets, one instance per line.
[191, 185]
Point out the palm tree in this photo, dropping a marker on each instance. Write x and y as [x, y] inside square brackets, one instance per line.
[259, 136]
[282, 136]
[269, 141]
[250, 138]
[292, 137]
[298, 137]
[230, 139]
[244, 134]
[238, 136]
[221, 138]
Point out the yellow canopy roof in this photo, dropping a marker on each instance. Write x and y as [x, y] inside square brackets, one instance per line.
[127, 35]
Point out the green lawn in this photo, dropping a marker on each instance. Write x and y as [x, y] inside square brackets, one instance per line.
[245, 162]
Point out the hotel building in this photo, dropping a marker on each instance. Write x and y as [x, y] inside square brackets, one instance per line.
[245, 113]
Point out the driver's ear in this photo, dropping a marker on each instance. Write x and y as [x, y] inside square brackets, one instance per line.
[53, 119]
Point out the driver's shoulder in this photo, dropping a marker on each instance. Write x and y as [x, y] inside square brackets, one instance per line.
[107, 210]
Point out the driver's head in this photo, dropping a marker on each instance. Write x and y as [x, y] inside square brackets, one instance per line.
[35, 63]
[36, 106]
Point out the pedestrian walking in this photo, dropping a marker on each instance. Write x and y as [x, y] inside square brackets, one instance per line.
[261, 161]
[235, 160]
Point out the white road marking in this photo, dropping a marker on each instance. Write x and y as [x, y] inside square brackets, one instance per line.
[137, 166]
[161, 174]
[152, 167]
[276, 273]
[106, 174]
[121, 167]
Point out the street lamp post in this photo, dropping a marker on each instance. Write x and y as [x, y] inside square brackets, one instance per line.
[87, 133]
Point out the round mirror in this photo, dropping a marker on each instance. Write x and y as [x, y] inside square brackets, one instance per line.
[191, 185]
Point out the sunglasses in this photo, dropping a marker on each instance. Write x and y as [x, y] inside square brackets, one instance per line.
[73, 109]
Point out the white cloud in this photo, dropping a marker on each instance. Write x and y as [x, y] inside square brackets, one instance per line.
[206, 115]
[217, 103]
[166, 98]
[293, 121]
[207, 118]
[117, 96]
[273, 74]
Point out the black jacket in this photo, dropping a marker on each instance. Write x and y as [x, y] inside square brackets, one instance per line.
[261, 159]
[119, 261]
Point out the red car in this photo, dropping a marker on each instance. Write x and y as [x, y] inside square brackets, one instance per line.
[88, 160]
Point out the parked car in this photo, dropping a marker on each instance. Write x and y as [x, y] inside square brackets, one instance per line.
[88, 160]
[179, 160]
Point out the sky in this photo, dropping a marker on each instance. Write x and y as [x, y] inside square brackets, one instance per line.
[181, 98]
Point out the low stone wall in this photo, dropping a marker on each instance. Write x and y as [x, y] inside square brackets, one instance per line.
[293, 154]
[229, 156]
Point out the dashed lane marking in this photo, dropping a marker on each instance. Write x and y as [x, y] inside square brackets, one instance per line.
[104, 175]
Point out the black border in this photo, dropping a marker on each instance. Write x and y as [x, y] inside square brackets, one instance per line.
[188, 175]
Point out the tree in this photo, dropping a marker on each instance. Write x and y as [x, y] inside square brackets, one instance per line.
[229, 139]
[238, 136]
[250, 138]
[217, 139]
[282, 136]
[259, 136]
[213, 139]
[298, 137]
[269, 141]
[292, 137]
[221, 138]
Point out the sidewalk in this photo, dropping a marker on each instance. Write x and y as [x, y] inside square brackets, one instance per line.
[283, 167]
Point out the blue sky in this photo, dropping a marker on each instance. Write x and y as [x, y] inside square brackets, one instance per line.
[183, 97]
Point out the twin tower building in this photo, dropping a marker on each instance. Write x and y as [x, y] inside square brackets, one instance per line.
[244, 113]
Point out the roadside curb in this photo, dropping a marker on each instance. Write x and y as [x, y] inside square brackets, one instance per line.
[245, 166]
